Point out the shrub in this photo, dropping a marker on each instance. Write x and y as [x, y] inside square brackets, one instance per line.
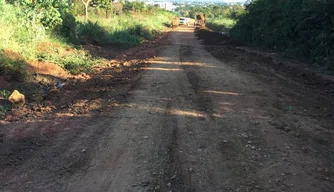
[69, 27]
[301, 27]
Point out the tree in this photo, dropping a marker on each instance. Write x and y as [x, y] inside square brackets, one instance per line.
[105, 4]
[298, 27]
[86, 4]
[117, 8]
[237, 11]
[46, 12]
[77, 7]
[135, 6]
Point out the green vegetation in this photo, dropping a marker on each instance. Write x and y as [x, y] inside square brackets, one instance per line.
[297, 28]
[126, 28]
[4, 94]
[4, 107]
[212, 11]
[53, 31]
[12, 66]
[219, 17]
[220, 24]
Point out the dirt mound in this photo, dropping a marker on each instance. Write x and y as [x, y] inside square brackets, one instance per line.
[21, 70]
[215, 38]
[217, 45]
[13, 66]
[50, 48]
[47, 68]
[80, 93]
[9, 54]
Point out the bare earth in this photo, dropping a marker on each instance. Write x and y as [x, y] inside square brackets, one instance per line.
[188, 122]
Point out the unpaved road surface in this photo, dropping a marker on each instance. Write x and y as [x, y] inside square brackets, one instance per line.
[187, 122]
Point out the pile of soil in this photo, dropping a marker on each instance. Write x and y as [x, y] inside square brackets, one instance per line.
[215, 38]
[225, 48]
[80, 92]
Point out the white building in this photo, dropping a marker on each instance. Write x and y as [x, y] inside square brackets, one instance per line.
[162, 4]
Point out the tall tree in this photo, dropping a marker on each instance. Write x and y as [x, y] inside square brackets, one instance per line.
[86, 3]
[105, 4]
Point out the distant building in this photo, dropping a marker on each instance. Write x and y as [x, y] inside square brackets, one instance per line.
[162, 4]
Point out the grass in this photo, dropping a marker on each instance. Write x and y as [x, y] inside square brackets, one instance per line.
[4, 108]
[24, 41]
[78, 62]
[4, 93]
[220, 24]
[73, 60]
[32, 42]
[127, 28]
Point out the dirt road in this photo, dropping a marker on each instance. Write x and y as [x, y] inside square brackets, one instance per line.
[188, 122]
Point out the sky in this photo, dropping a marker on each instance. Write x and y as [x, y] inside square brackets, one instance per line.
[226, 1]
[231, 1]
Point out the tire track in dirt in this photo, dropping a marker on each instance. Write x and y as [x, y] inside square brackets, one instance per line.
[290, 127]
[203, 102]
[172, 178]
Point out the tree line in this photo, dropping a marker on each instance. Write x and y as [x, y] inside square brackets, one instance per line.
[295, 27]
[213, 11]
[61, 16]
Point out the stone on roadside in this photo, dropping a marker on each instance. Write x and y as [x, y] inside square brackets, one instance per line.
[16, 98]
